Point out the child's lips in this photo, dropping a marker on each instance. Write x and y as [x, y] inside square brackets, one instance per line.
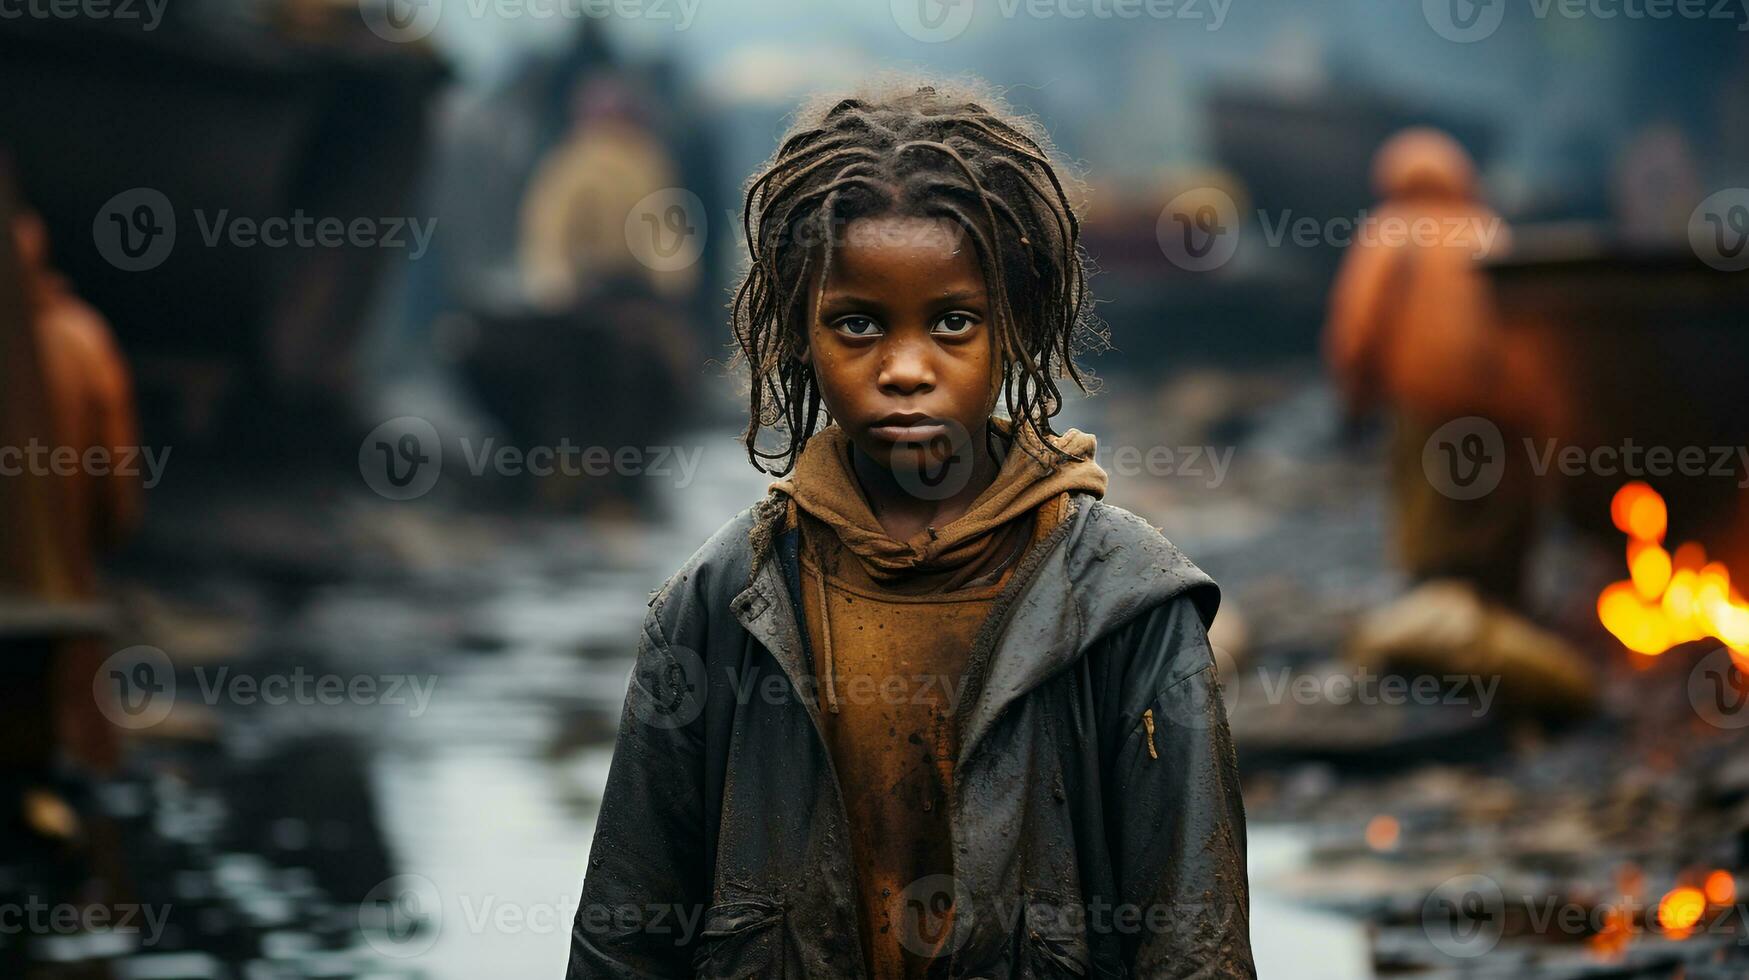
[921, 431]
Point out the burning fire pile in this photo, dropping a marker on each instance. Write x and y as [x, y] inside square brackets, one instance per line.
[1669, 598]
[1681, 910]
[1700, 902]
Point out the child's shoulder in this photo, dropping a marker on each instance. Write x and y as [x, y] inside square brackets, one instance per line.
[1107, 530]
[723, 565]
[1118, 559]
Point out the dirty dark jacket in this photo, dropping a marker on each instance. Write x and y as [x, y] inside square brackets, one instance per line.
[1097, 825]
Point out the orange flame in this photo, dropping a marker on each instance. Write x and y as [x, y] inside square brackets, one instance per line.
[1668, 599]
[1721, 887]
[1383, 833]
[1611, 941]
[1680, 910]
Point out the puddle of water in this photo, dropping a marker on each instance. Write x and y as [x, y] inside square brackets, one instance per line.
[1289, 940]
[504, 858]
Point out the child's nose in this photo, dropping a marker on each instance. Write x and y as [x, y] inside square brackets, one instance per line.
[905, 369]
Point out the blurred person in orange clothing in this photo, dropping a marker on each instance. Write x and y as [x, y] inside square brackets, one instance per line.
[65, 385]
[90, 395]
[1413, 329]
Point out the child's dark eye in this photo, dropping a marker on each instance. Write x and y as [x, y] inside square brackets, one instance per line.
[955, 324]
[857, 326]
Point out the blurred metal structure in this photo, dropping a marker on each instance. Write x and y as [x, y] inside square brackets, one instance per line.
[1648, 344]
[230, 121]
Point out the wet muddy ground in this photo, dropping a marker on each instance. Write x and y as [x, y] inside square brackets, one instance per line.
[434, 821]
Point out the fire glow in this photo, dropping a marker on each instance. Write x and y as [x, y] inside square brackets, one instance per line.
[1668, 598]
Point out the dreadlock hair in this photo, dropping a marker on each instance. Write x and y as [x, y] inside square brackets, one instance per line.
[907, 149]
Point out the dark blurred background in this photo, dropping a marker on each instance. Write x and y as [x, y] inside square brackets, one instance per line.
[401, 330]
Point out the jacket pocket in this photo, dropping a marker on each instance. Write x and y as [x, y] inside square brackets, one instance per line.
[1055, 944]
[741, 939]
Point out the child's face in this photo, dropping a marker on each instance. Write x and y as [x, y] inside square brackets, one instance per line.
[900, 340]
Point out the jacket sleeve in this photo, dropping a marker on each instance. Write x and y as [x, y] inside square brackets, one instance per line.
[645, 888]
[1174, 818]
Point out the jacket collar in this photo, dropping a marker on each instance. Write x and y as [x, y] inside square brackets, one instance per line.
[764, 608]
[1102, 568]
[1099, 569]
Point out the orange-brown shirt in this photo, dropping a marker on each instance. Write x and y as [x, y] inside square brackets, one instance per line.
[890, 664]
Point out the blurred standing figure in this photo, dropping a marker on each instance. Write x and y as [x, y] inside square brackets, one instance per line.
[65, 387]
[90, 401]
[1413, 329]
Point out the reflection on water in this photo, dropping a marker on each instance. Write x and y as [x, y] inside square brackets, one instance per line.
[492, 795]
[1288, 939]
[447, 837]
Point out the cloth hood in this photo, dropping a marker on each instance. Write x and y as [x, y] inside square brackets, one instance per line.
[824, 485]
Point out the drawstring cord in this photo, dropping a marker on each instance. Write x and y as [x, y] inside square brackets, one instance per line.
[826, 662]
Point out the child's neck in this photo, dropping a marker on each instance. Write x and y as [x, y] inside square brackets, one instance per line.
[901, 512]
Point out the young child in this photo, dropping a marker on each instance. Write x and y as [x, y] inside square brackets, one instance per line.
[931, 708]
